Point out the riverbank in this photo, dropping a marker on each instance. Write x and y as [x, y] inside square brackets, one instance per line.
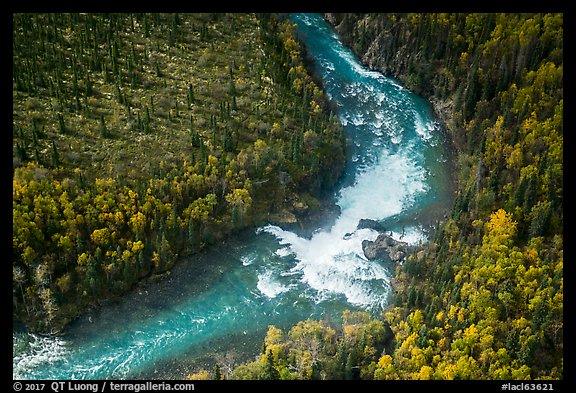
[277, 276]
[148, 298]
[485, 80]
[233, 142]
[443, 109]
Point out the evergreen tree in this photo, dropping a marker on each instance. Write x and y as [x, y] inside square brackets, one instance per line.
[55, 155]
[104, 133]
[270, 372]
[216, 374]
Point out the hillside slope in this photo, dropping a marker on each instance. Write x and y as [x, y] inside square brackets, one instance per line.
[484, 299]
[142, 138]
[489, 290]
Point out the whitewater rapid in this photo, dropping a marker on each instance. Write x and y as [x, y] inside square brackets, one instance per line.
[271, 276]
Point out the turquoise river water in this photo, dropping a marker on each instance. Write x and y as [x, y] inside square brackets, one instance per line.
[218, 305]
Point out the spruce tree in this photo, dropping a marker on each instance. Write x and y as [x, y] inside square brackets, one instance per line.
[270, 371]
[61, 123]
[55, 155]
[216, 374]
[104, 133]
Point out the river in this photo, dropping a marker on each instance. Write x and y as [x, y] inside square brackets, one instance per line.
[218, 304]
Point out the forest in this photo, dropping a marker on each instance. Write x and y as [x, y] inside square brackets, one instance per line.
[484, 298]
[141, 138]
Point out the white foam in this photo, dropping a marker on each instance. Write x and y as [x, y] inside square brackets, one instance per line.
[247, 260]
[381, 190]
[357, 119]
[413, 235]
[269, 286]
[40, 350]
[328, 65]
[388, 180]
[283, 252]
[353, 89]
[380, 98]
[424, 129]
[332, 262]
[333, 266]
[386, 123]
[306, 19]
[347, 55]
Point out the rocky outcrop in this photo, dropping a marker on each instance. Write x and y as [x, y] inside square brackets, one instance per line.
[385, 249]
[366, 223]
[388, 47]
[304, 216]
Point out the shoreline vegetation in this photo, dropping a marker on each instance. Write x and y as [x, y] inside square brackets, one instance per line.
[484, 299]
[139, 139]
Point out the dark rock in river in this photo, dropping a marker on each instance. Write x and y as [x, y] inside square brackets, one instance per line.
[385, 249]
[366, 223]
[304, 217]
